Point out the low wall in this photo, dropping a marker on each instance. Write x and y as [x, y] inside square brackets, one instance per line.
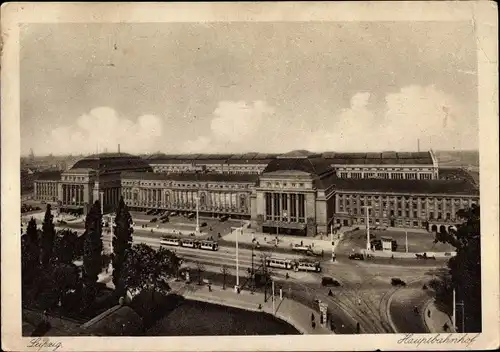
[404, 255]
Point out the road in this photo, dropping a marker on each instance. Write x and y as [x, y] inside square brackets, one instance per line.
[402, 310]
[363, 297]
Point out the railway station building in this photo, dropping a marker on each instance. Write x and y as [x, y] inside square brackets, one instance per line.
[300, 192]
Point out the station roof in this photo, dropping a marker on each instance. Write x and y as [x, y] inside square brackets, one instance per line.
[313, 165]
[112, 162]
[48, 176]
[192, 176]
[384, 158]
[452, 187]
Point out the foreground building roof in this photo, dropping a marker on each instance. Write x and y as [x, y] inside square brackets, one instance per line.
[202, 177]
[454, 187]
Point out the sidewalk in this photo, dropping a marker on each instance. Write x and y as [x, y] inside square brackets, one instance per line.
[435, 319]
[317, 243]
[287, 310]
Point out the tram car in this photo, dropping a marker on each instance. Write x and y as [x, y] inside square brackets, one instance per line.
[279, 263]
[307, 266]
[189, 243]
[171, 241]
[209, 245]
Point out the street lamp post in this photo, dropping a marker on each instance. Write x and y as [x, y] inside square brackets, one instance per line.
[331, 242]
[102, 202]
[252, 277]
[237, 287]
[274, 307]
[367, 210]
[197, 215]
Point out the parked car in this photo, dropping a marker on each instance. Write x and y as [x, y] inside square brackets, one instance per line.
[328, 281]
[164, 220]
[203, 224]
[356, 256]
[397, 282]
[174, 213]
[150, 212]
[223, 218]
[153, 220]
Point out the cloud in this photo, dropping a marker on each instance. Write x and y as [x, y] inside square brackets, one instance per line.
[395, 122]
[103, 129]
[237, 126]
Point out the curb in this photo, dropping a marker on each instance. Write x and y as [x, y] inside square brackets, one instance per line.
[426, 306]
[388, 312]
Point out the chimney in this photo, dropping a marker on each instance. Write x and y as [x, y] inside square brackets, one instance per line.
[118, 148]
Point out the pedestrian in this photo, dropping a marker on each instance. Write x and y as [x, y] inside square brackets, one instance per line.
[313, 324]
[358, 328]
[330, 293]
[312, 316]
[209, 288]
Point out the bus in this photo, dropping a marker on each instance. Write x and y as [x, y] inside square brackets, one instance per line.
[170, 241]
[279, 263]
[307, 266]
[209, 245]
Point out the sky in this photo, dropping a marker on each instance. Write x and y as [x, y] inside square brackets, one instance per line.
[242, 87]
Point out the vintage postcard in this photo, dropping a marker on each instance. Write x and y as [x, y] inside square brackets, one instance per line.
[249, 176]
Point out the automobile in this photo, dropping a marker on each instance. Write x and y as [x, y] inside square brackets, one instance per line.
[150, 212]
[203, 224]
[164, 221]
[223, 218]
[190, 215]
[356, 256]
[328, 281]
[153, 220]
[174, 213]
[397, 282]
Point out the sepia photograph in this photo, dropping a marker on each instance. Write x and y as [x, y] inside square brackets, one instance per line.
[223, 177]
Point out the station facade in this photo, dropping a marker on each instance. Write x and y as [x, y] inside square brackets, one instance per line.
[298, 193]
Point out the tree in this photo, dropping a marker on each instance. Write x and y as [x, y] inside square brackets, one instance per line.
[92, 252]
[465, 267]
[225, 271]
[200, 268]
[65, 247]
[48, 235]
[30, 252]
[147, 269]
[122, 241]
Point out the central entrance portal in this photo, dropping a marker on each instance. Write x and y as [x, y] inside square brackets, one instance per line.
[284, 231]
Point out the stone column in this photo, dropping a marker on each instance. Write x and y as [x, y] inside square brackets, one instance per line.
[288, 210]
[272, 205]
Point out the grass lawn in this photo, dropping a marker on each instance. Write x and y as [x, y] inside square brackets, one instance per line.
[194, 318]
[417, 242]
